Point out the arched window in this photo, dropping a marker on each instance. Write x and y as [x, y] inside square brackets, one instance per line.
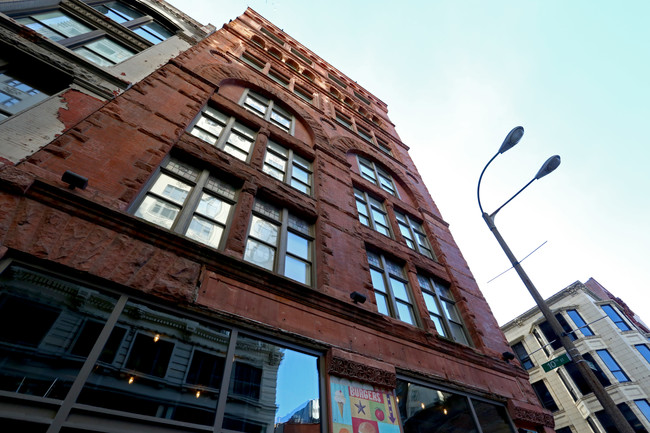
[292, 64]
[258, 41]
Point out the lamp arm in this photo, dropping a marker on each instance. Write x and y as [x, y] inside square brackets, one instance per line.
[478, 187]
[510, 199]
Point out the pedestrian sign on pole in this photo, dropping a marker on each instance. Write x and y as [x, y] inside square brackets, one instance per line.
[555, 363]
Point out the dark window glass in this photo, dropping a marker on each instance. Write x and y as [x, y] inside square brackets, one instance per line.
[206, 370]
[566, 429]
[248, 380]
[522, 355]
[610, 427]
[550, 336]
[492, 418]
[25, 322]
[88, 337]
[149, 356]
[600, 374]
[579, 381]
[565, 326]
[544, 396]
[612, 365]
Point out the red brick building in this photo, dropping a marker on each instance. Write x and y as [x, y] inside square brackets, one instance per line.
[254, 251]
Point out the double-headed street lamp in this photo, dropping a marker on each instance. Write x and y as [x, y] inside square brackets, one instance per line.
[584, 369]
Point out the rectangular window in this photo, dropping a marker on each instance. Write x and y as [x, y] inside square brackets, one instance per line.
[442, 310]
[383, 146]
[566, 327]
[609, 425]
[188, 201]
[284, 165]
[15, 92]
[551, 336]
[135, 20]
[272, 36]
[301, 55]
[392, 292]
[303, 93]
[268, 110]
[375, 174]
[580, 323]
[206, 370]
[644, 351]
[613, 366]
[644, 407]
[616, 318]
[361, 97]
[336, 80]
[344, 120]
[541, 342]
[577, 378]
[72, 33]
[364, 133]
[567, 385]
[88, 337]
[280, 242]
[224, 132]
[544, 396]
[253, 61]
[279, 78]
[150, 355]
[522, 355]
[414, 235]
[372, 212]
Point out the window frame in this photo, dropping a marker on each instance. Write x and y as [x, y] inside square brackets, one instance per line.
[387, 272]
[373, 207]
[522, 355]
[416, 234]
[378, 177]
[614, 367]
[291, 160]
[615, 317]
[546, 400]
[229, 125]
[442, 300]
[272, 108]
[580, 323]
[644, 353]
[188, 209]
[281, 247]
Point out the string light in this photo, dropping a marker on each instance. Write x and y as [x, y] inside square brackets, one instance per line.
[131, 379]
[156, 338]
[422, 404]
[198, 394]
[444, 410]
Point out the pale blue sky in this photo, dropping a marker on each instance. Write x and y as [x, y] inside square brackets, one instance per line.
[458, 75]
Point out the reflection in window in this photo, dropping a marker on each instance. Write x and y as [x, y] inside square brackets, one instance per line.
[522, 355]
[224, 133]
[189, 201]
[135, 20]
[38, 316]
[609, 425]
[392, 292]
[372, 212]
[414, 234]
[616, 318]
[442, 309]
[268, 110]
[61, 27]
[580, 323]
[424, 409]
[280, 242]
[264, 379]
[284, 165]
[15, 94]
[612, 365]
[375, 174]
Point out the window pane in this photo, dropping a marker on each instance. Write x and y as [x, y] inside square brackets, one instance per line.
[399, 289]
[580, 323]
[171, 189]
[425, 409]
[644, 351]
[93, 57]
[204, 231]
[437, 321]
[156, 32]
[263, 392]
[40, 28]
[242, 142]
[450, 311]
[377, 280]
[148, 376]
[62, 23]
[264, 230]
[616, 318]
[112, 51]
[212, 126]
[382, 304]
[38, 321]
[297, 245]
[405, 313]
[213, 208]
[259, 254]
[297, 270]
[256, 106]
[157, 211]
[283, 121]
[644, 407]
[300, 174]
[431, 303]
[492, 418]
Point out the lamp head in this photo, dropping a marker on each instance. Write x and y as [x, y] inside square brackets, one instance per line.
[551, 164]
[512, 138]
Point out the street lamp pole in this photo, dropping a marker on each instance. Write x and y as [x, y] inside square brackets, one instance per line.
[583, 367]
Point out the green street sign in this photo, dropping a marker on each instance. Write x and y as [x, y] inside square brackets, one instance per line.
[555, 363]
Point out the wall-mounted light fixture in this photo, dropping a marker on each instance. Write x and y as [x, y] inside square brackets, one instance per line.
[358, 297]
[508, 356]
[74, 180]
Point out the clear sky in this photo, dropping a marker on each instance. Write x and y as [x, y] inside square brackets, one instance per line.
[458, 75]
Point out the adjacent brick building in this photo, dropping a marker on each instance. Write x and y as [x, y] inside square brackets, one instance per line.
[254, 251]
[609, 335]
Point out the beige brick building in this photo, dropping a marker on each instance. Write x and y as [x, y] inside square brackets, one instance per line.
[609, 335]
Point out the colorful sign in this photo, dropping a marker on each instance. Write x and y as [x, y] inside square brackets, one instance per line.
[361, 408]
